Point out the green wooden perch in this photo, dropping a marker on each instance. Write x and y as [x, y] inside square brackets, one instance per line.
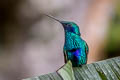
[103, 70]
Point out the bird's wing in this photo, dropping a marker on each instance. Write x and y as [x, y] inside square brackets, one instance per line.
[80, 42]
[65, 56]
[86, 48]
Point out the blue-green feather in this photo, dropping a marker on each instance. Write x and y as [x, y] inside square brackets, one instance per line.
[75, 48]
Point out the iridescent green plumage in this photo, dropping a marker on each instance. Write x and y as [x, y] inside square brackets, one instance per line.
[75, 48]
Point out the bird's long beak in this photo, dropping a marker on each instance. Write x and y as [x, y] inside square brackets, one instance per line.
[52, 17]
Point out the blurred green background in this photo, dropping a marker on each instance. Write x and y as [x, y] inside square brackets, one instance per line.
[113, 41]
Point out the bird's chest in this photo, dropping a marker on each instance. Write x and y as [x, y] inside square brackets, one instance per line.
[71, 42]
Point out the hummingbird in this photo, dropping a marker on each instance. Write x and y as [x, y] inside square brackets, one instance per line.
[75, 48]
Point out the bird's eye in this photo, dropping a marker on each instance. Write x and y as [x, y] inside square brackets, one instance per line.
[66, 24]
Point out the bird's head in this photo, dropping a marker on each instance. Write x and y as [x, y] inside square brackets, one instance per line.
[68, 26]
